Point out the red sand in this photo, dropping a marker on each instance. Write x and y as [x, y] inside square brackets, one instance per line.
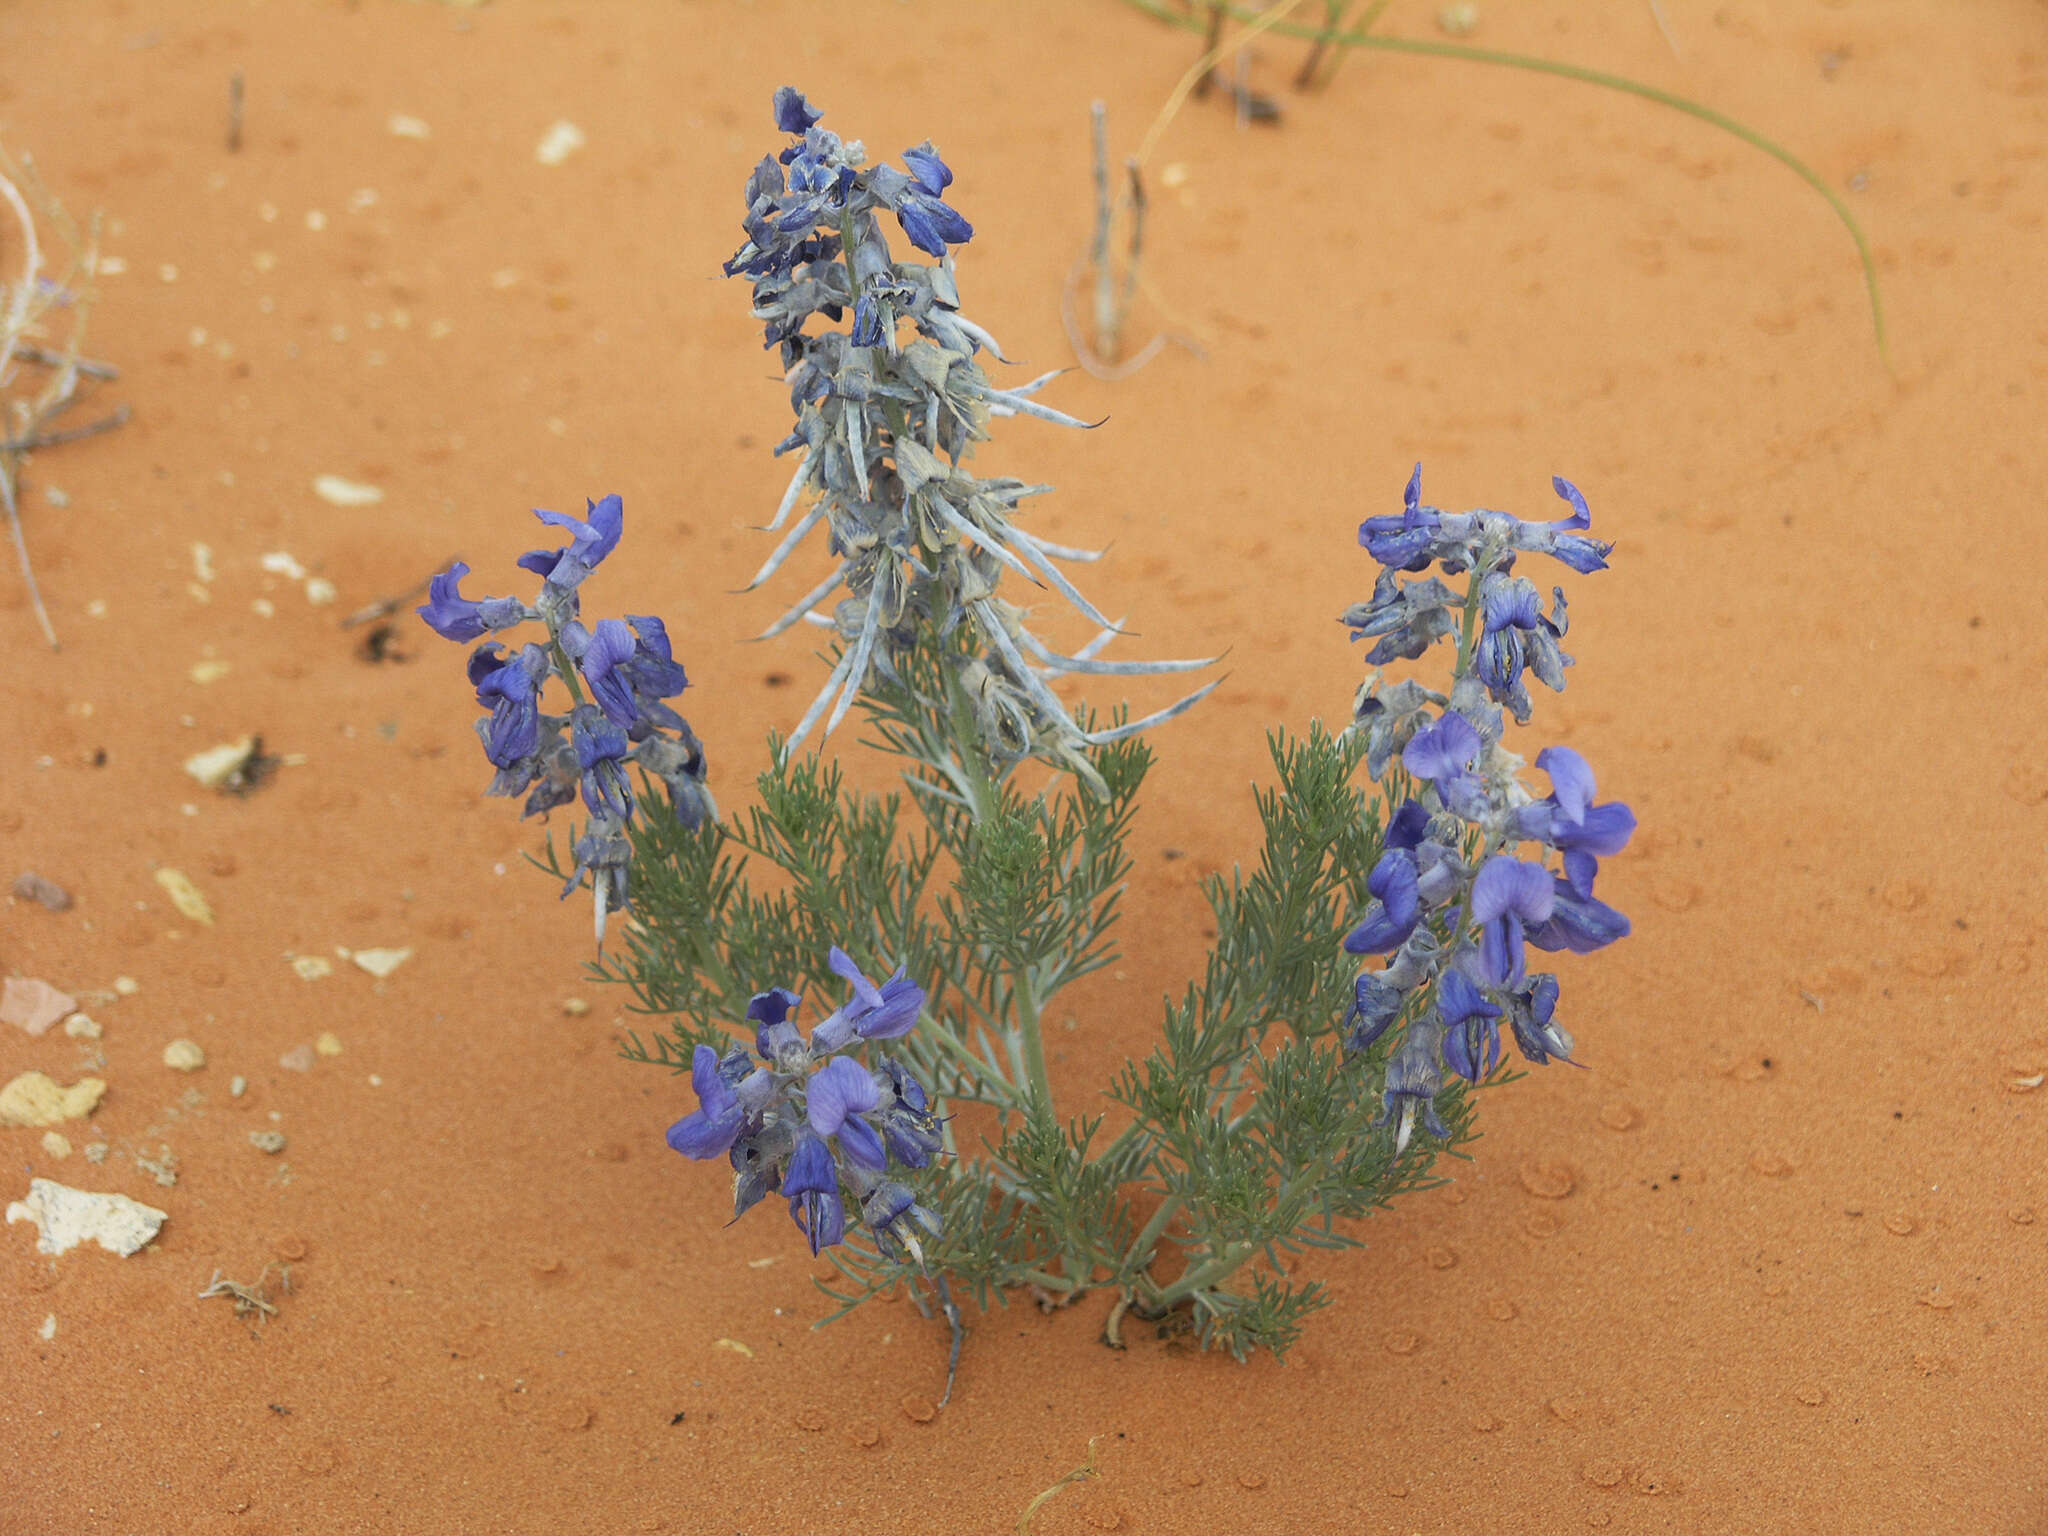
[1796, 1283]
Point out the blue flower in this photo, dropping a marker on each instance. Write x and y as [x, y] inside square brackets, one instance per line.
[654, 674]
[1408, 618]
[1578, 922]
[1561, 540]
[908, 1124]
[812, 1185]
[776, 1039]
[600, 654]
[454, 617]
[1375, 1005]
[836, 1098]
[1394, 914]
[794, 114]
[1407, 827]
[1414, 1078]
[510, 689]
[931, 224]
[872, 1013]
[929, 171]
[1404, 542]
[1568, 819]
[604, 855]
[1471, 1026]
[1442, 754]
[596, 536]
[601, 755]
[1508, 895]
[895, 1218]
[720, 1116]
[1537, 1035]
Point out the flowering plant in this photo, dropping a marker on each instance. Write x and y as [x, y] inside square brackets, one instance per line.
[914, 1134]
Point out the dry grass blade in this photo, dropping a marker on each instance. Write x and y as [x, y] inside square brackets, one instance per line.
[30, 307]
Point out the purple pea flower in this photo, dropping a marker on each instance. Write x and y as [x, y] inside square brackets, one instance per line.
[601, 755]
[1404, 542]
[776, 1039]
[1414, 1079]
[1442, 754]
[597, 534]
[1568, 819]
[908, 1124]
[1396, 909]
[872, 1013]
[1507, 894]
[794, 114]
[1578, 922]
[1471, 1026]
[895, 1218]
[654, 674]
[509, 687]
[454, 617]
[722, 1113]
[930, 223]
[837, 1098]
[600, 654]
[812, 1185]
[1375, 1004]
[1537, 1035]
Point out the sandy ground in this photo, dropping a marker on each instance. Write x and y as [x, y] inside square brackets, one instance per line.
[1776, 1262]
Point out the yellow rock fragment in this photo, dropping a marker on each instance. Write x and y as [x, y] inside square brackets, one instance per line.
[34, 1098]
[312, 967]
[735, 1346]
[56, 1144]
[184, 1056]
[209, 672]
[328, 1044]
[185, 895]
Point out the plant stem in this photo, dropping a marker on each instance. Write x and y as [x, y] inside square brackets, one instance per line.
[1139, 1256]
[1033, 1038]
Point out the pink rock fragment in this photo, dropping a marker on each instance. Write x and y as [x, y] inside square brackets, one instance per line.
[34, 1005]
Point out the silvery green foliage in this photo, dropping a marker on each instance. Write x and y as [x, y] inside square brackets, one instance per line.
[887, 411]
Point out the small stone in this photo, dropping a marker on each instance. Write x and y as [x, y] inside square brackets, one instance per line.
[575, 1007]
[267, 1141]
[49, 1329]
[312, 967]
[33, 1005]
[299, 1058]
[30, 886]
[337, 492]
[216, 766]
[65, 1217]
[561, 141]
[204, 672]
[56, 1144]
[185, 896]
[126, 986]
[35, 1099]
[329, 1044]
[401, 125]
[184, 1056]
[96, 1151]
[1460, 20]
[320, 591]
[380, 962]
[81, 1027]
[237, 1086]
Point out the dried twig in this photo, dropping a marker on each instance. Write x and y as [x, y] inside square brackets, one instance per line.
[384, 607]
[253, 1298]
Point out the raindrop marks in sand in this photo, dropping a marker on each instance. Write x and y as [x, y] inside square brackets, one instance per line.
[1899, 1224]
[1547, 1180]
[918, 1409]
[1442, 1258]
[1770, 1165]
[1402, 1342]
[1811, 1396]
[865, 1433]
[1502, 1310]
[1619, 1115]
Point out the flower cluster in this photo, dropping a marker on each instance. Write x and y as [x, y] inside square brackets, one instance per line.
[620, 674]
[811, 1123]
[1455, 906]
[883, 423]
